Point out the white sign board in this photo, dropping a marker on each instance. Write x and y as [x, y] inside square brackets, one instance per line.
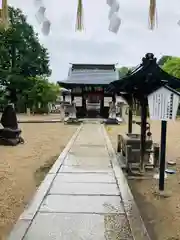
[78, 101]
[107, 100]
[163, 104]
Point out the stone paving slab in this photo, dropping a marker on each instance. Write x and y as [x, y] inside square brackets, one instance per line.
[89, 151]
[56, 226]
[85, 161]
[84, 189]
[85, 178]
[82, 204]
[85, 169]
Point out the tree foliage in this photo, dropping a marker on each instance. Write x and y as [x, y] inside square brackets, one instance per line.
[21, 54]
[164, 59]
[172, 66]
[41, 91]
[124, 71]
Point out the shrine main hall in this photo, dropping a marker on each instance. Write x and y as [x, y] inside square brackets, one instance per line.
[88, 88]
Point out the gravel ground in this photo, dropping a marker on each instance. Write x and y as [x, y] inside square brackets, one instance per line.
[23, 167]
[161, 215]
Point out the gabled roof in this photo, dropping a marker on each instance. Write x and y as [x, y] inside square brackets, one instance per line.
[145, 79]
[92, 74]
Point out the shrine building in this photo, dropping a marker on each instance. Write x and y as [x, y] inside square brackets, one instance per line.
[88, 83]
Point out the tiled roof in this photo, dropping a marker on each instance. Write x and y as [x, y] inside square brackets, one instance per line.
[92, 76]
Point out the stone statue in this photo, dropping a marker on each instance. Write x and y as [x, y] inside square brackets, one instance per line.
[72, 111]
[112, 110]
[62, 111]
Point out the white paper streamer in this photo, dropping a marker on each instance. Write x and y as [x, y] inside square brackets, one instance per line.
[40, 15]
[114, 8]
[38, 3]
[46, 27]
[115, 23]
[110, 2]
[0, 4]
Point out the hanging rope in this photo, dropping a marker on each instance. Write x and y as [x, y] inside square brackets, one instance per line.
[152, 14]
[4, 21]
[79, 19]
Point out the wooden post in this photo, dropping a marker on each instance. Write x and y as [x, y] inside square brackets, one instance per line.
[143, 133]
[83, 104]
[72, 97]
[102, 105]
[119, 137]
[156, 155]
[130, 118]
[114, 98]
[162, 155]
[128, 158]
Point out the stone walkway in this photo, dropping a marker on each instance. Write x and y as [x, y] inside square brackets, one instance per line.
[82, 197]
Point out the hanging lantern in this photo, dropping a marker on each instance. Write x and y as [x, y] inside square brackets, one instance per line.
[79, 19]
[46, 27]
[152, 14]
[114, 8]
[115, 23]
[4, 20]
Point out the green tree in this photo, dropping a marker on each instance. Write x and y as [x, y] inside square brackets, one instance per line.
[164, 59]
[123, 71]
[172, 66]
[40, 93]
[21, 54]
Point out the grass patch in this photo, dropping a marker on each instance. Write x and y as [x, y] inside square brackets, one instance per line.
[43, 170]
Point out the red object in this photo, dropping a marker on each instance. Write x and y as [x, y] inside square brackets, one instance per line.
[96, 94]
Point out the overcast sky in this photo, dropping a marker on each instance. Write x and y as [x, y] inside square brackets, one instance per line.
[96, 44]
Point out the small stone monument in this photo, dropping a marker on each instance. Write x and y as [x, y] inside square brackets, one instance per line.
[10, 134]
